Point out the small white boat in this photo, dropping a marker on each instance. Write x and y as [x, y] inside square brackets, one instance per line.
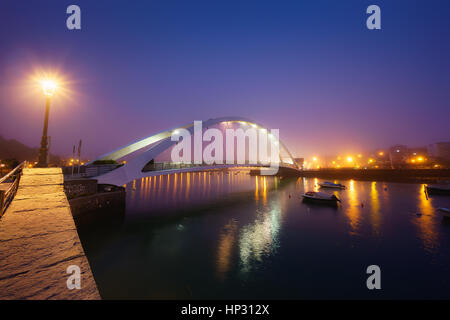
[446, 212]
[328, 184]
[320, 197]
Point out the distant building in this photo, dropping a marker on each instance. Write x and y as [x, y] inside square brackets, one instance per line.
[422, 151]
[440, 150]
[401, 156]
[398, 155]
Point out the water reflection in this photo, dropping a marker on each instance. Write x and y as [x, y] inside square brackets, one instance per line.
[256, 239]
[167, 185]
[260, 238]
[240, 246]
[353, 208]
[264, 183]
[425, 220]
[256, 189]
[188, 184]
[175, 181]
[227, 240]
[375, 214]
[316, 184]
[305, 184]
[177, 189]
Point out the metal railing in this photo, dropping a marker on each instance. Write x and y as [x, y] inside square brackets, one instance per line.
[160, 166]
[8, 186]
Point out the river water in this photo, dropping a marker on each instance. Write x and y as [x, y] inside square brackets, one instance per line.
[231, 235]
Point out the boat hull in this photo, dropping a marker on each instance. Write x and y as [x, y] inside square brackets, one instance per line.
[331, 187]
[445, 212]
[437, 190]
[320, 202]
[320, 197]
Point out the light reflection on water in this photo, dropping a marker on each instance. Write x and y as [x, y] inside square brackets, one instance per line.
[175, 190]
[353, 210]
[233, 232]
[426, 222]
[227, 240]
[259, 239]
[375, 206]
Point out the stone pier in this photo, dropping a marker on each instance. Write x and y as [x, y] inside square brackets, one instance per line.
[39, 241]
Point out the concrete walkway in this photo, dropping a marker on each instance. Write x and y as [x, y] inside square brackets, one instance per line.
[39, 241]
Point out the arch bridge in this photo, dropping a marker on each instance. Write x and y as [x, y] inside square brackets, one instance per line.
[141, 154]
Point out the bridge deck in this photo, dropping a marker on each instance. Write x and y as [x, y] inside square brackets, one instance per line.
[39, 240]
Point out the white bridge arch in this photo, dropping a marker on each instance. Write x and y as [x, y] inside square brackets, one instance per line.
[133, 168]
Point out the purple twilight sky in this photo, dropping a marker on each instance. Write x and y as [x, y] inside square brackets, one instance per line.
[310, 68]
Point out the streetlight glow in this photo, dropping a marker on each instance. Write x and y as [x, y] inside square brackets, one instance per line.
[49, 87]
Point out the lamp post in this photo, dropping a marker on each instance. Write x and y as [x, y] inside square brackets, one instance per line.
[49, 88]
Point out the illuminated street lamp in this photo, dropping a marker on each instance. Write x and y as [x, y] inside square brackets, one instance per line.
[49, 87]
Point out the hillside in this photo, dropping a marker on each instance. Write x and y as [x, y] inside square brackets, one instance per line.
[13, 149]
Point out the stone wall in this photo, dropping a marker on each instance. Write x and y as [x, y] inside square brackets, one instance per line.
[87, 209]
[80, 187]
[90, 201]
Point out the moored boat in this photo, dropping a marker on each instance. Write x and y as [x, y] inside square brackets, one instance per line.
[328, 184]
[446, 212]
[320, 197]
[438, 189]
